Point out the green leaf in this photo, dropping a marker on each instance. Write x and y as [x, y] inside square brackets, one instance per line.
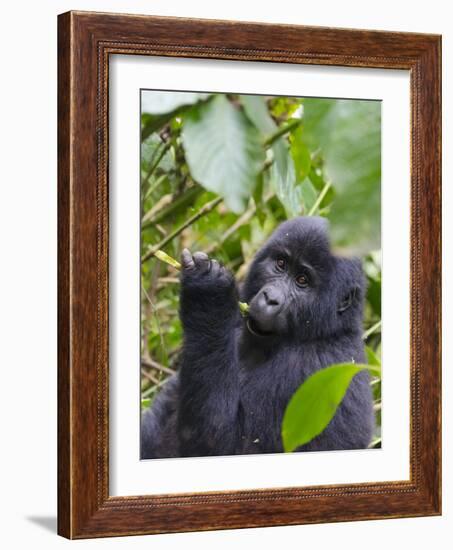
[283, 179]
[256, 110]
[309, 194]
[282, 172]
[146, 403]
[314, 404]
[374, 295]
[223, 150]
[154, 123]
[371, 356]
[300, 154]
[348, 132]
[151, 149]
[160, 108]
[258, 192]
[159, 103]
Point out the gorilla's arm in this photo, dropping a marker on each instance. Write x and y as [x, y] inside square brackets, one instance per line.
[209, 390]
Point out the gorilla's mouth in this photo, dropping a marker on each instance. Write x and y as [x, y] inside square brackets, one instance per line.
[254, 328]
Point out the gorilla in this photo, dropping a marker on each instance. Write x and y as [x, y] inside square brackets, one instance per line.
[238, 373]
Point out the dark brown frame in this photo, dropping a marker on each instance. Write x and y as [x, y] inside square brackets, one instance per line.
[85, 41]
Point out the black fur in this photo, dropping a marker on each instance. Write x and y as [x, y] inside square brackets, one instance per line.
[237, 375]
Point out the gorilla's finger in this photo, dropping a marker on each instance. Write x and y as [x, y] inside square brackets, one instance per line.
[202, 262]
[215, 267]
[186, 259]
[200, 256]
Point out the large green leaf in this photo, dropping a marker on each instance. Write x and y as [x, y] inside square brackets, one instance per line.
[349, 135]
[256, 110]
[159, 103]
[282, 172]
[223, 150]
[314, 404]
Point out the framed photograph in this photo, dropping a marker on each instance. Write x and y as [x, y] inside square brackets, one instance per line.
[249, 275]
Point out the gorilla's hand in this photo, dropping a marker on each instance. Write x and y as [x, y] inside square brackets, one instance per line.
[208, 294]
[201, 273]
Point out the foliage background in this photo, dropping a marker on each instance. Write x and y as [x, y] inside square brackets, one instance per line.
[220, 172]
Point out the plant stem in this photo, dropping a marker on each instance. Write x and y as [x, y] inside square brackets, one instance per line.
[150, 377]
[155, 164]
[189, 195]
[282, 131]
[321, 196]
[372, 329]
[243, 219]
[208, 207]
[150, 363]
[154, 186]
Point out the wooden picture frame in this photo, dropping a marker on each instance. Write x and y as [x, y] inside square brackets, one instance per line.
[85, 42]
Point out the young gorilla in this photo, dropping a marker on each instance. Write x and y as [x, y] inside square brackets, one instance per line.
[237, 375]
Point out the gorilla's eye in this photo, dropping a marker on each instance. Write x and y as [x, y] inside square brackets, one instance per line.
[280, 264]
[302, 281]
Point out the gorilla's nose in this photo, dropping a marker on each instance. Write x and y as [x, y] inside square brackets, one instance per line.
[272, 297]
[270, 300]
[266, 307]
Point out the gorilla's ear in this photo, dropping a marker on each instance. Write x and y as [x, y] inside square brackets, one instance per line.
[347, 300]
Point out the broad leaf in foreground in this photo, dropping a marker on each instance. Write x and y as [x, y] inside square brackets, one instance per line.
[314, 404]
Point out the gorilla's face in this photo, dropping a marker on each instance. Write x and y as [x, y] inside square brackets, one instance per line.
[297, 287]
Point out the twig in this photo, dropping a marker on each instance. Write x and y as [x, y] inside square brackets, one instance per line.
[372, 329]
[186, 197]
[148, 307]
[153, 389]
[167, 281]
[321, 195]
[150, 377]
[281, 132]
[162, 202]
[208, 207]
[243, 219]
[154, 186]
[151, 364]
[156, 314]
[232, 229]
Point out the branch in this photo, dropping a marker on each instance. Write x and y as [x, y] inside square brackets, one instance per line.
[188, 196]
[321, 196]
[151, 364]
[154, 186]
[150, 377]
[243, 219]
[164, 201]
[372, 329]
[208, 207]
[282, 131]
